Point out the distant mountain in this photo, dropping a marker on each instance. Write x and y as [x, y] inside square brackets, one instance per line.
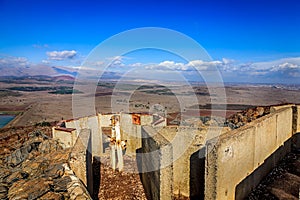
[50, 73]
[63, 78]
[36, 70]
[65, 71]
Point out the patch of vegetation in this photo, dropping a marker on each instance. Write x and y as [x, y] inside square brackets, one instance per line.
[127, 86]
[221, 106]
[53, 90]
[5, 93]
[140, 105]
[107, 85]
[43, 123]
[65, 91]
[31, 89]
[11, 113]
[160, 92]
[144, 87]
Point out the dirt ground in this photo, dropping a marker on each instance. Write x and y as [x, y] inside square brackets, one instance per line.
[115, 185]
[38, 106]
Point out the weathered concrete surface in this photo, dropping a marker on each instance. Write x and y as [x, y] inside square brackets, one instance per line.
[238, 153]
[275, 108]
[296, 126]
[155, 165]
[132, 133]
[146, 120]
[297, 119]
[252, 180]
[186, 157]
[104, 119]
[91, 123]
[67, 136]
[81, 159]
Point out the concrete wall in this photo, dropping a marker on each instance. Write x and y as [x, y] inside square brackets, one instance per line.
[296, 115]
[129, 131]
[146, 120]
[237, 154]
[187, 165]
[155, 165]
[132, 133]
[80, 159]
[68, 138]
[91, 123]
[104, 119]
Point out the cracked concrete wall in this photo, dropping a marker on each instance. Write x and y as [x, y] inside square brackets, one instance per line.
[239, 153]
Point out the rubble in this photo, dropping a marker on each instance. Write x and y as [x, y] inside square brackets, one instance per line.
[241, 118]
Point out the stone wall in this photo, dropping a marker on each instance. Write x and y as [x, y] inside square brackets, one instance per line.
[155, 165]
[238, 154]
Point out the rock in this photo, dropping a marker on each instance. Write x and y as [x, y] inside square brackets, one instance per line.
[3, 191]
[288, 183]
[18, 156]
[239, 119]
[30, 189]
[260, 111]
[38, 169]
[78, 193]
[52, 196]
[61, 185]
[4, 172]
[281, 194]
[55, 171]
[15, 176]
[3, 188]
[48, 146]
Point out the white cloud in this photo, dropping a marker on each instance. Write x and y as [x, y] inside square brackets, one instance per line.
[61, 55]
[116, 61]
[277, 70]
[190, 66]
[46, 62]
[285, 66]
[136, 65]
[171, 65]
[13, 62]
[205, 65]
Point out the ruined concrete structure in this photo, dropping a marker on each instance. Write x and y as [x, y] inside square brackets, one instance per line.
[225, 166]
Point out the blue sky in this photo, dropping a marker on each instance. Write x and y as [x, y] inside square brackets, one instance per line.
[246, 31]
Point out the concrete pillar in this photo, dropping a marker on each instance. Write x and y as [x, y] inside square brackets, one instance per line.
[94, 126]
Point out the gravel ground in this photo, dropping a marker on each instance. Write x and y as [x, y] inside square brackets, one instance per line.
[282, 182]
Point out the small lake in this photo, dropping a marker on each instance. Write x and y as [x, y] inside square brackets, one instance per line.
[5, 119]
